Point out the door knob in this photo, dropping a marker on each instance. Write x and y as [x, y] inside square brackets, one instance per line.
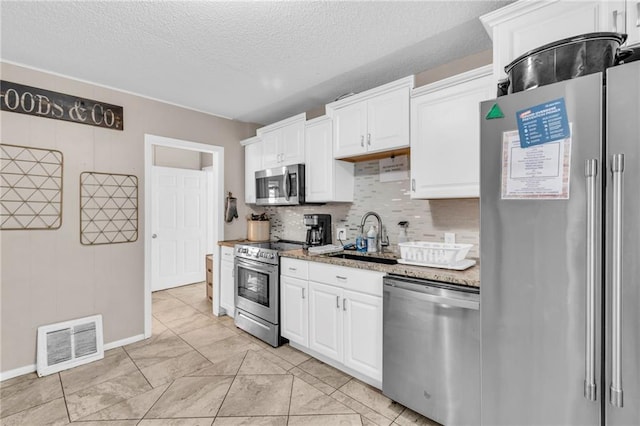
[154, 235]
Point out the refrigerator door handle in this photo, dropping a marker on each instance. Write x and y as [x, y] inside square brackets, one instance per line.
[615, 393]
[591, 173]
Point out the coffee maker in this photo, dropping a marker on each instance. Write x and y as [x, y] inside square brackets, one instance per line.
[318, 229]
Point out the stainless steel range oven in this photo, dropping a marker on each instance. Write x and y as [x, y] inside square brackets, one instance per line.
[257, 288]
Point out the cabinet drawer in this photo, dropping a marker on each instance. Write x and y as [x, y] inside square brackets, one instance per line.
[294, 268]
[227, 253]
[369, 282]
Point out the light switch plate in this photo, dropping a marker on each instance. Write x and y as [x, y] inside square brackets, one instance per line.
[342, 234]
[449, 238]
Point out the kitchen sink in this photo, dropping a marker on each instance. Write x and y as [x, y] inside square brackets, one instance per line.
[364, 258]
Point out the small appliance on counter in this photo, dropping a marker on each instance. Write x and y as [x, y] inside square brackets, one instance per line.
[280, 186]
[318, 229]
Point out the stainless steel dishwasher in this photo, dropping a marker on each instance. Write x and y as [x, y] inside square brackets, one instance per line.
[431, 348]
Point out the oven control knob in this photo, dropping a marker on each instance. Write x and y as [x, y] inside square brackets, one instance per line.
[272, 256]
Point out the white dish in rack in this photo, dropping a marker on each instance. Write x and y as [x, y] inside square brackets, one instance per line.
[458, 266]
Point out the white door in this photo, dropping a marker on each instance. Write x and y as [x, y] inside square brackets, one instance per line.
[325, 320]
[363, 333]
[349, 130]
[319, 161]
[227, 287]
[179, 205]
[294, 310]
[271, 148]
[388, 121]
[292, 144]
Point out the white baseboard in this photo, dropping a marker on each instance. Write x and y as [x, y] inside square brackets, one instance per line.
[123, 342]
[6, 375]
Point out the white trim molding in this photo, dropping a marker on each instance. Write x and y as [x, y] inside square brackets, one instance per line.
[216, 194]
[473, 74]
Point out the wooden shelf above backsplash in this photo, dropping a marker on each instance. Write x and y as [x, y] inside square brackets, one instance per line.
[378, 155]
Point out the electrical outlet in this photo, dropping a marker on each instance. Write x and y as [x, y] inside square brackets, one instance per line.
[342, 234]
[449, 238]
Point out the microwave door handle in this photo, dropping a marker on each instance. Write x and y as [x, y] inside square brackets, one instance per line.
[287, 185]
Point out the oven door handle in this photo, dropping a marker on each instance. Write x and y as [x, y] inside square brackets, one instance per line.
[252, 265]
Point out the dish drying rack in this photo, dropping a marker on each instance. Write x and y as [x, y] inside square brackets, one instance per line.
[436, 255]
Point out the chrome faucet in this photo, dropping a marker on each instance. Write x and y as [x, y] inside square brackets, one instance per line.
[381, 239]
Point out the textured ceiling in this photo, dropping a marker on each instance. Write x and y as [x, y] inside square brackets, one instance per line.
[251, 61]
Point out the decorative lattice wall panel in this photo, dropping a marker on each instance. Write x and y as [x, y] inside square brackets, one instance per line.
[30, 188]
[108, 208]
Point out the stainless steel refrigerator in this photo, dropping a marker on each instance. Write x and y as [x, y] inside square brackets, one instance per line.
[560, 257]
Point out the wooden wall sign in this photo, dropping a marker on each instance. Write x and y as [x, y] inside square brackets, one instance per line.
[29, 100]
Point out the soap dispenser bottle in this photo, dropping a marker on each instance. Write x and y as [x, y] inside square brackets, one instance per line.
[371, 240]
[361, 241]
[402, 236]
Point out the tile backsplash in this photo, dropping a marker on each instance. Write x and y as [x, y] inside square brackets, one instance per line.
[428, 219]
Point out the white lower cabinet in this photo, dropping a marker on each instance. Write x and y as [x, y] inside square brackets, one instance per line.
[325, 320]
[342, 316]
[227, 284]
[362, 348]
[294, 315]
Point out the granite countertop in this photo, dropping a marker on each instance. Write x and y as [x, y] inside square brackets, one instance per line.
[231, 243]
[469, 277]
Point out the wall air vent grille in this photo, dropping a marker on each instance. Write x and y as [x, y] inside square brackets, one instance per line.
[68, 344]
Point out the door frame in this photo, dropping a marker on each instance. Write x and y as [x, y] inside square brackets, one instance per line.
[216, 224]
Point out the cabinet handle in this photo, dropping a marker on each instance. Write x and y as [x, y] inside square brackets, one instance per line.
[344, 304]
[338, 302]
[369, 139]
[340, 277]
[303, 293]
[638, 14]
[293, 269]
[616, 14]
[413, 185]
[362, 141]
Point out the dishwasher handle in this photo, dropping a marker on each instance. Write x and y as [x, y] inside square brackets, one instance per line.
[399, 289]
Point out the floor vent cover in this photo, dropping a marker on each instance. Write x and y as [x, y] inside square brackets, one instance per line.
[69, 344]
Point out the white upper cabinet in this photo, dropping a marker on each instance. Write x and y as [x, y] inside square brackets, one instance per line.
[524, 25]
[632, 15]
[623, 17]
[326, 179]
[283, 142]
[373, 121]
[252, 163]
[445, 135]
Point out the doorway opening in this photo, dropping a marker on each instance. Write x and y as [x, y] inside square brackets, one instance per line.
[212, 212]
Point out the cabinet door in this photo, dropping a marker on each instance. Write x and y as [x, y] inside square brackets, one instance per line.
[319, 162]
[445, 141]
[350, 130]
[292, 144]
[633, 21]
[325, 320]
[271, 149]
[363, 333]
[227, 287]
[537, 23]
[388, 121]
[252, 163]
[294, 309]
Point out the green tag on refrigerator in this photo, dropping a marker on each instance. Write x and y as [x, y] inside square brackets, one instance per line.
[494, 112]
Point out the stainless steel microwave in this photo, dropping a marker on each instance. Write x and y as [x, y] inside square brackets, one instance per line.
[280, 186]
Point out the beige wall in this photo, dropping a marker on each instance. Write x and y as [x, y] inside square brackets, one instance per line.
[455, 67]
[165, 156]
[48, 276]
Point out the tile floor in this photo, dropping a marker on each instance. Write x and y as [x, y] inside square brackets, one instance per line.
[197, 370]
